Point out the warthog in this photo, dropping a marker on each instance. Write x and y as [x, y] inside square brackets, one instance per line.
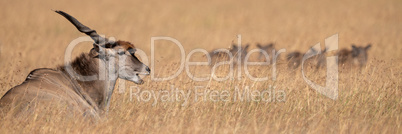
[235, 54]
[357, 56]
[85, 86]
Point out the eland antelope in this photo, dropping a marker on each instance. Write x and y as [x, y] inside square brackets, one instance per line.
[71, 85]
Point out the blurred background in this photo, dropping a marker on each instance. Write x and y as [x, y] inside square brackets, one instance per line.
[33, 36]
[32, 31]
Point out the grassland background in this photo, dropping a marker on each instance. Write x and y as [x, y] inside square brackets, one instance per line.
[33, 36]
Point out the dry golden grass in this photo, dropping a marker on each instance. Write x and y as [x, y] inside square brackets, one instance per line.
[370, 98]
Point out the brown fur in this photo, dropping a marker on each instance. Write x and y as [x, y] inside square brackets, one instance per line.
[294, 59]
[85, 65]
[56, 84]
[344, 55]
[125, 44]
[358, 56]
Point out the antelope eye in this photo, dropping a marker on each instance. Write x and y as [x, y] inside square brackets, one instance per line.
[120, 52]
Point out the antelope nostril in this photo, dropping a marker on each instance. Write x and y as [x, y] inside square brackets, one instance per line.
[147, 68]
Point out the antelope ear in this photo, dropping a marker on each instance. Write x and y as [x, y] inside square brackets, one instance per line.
[259, 45]
[353, 46]
[313, 50]
[94, 51]
[368, 46]
[247, 46]
[355, 50]
[96, 47]
[234, 46]
[326, 49]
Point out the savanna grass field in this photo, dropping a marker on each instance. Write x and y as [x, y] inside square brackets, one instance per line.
[369, 98]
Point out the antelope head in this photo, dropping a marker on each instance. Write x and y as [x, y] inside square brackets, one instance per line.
[359, 54]
[118, 54]
[267, 48]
